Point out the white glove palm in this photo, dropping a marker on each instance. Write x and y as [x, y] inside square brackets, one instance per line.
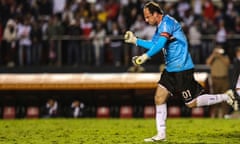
[130, 37]
[138, 60]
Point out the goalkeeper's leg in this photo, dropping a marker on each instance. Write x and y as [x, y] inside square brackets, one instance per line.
[211, 99]
[161, 114]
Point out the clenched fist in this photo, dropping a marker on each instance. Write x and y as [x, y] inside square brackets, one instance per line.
[138, 60]
[129, 37]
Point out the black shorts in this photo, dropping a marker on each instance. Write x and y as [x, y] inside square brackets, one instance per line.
[182, 83]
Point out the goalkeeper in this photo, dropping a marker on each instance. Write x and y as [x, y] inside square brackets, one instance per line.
[177, 76]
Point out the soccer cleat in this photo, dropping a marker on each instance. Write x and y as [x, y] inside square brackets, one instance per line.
[156, 138]
[232, 99]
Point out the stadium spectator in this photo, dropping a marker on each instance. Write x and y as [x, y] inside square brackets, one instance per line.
[221, 36]
[182, 7]
[194, 36]
[101, 14]
[219, 64]
[36, 37]
[54, 29]
[130, 13]
[86, 25]
[209, 10]
[116, 45]
[229, 11]
[236, 42]
[68, 13]
[188, 18]
[77, 109]
[197, 8]
[25, 42]
[9, 42]
[51, 109]
[98, 40]
[45, 8]
[208, 29]
[237, 25]
[73, 50]
[58, 6]
[177, 77]
[44, 21]
[112, 9]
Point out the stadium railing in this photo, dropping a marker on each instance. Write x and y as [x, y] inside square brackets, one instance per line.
[85, 81]
[209, 38]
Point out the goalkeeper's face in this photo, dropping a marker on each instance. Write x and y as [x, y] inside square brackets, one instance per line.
[152, 18]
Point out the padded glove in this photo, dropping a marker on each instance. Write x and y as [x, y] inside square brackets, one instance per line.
[138, 60]
[129, 37]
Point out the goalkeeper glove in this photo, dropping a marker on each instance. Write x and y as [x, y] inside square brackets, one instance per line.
[129, 37]
[138, 60]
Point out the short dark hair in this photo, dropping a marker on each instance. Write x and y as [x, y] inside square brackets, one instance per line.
[153, 7]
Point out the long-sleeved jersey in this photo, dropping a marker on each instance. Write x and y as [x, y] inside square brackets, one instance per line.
[170, 38]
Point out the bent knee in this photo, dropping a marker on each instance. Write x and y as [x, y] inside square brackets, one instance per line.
[159, 100]
[161, 95]
[191, 104]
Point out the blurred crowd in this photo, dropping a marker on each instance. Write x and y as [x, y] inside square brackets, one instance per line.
[89, 32]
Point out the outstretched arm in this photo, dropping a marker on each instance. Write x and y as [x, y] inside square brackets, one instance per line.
[129, 37]
[147, 44]
[153, 47]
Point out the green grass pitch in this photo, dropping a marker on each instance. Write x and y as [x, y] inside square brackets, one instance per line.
[117, 131]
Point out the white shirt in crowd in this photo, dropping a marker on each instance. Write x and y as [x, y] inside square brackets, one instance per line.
[24, 34]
